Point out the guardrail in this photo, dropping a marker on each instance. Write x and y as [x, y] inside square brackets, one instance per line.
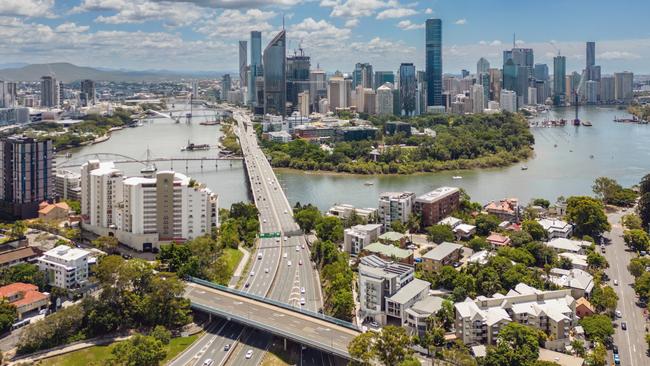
[312, 314]
[292, 336]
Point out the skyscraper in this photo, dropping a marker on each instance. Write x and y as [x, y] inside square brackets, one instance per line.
[383, 77]
[362, 75]
[297, 76]
[591, 54]
[338, 92]
[559, 85]
[243, 62]
[623, 86]
[256, 65]
[317, 87]
[434, 61]
[226, 84]
[49, 92]
[540, 72]
[478, 98]
[482, 66]
[407, 88]
[384, 100]
[275, 75]
[87, 92]
[607, 89]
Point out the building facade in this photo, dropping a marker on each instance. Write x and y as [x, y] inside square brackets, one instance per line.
[395, 206]
[65, 267]
[433, 46]
[437, 204]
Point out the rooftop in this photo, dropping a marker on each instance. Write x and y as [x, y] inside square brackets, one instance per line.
[66, 253]
[387, 250]
[29, 293]
[451, 221]
[437, 194]
[442, 251]
[396, 195]
[573, 278]
[410, 290]
[568, 244]
[18, 254]
[560, 358]
[392, 236]
[554, 224]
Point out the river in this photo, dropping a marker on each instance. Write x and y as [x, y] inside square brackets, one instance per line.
[620, 151]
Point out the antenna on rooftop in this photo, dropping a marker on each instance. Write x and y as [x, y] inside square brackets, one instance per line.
[282, 21]
[514, 40]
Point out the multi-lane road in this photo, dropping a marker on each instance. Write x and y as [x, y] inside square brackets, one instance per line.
[631, 342]
[281, 267]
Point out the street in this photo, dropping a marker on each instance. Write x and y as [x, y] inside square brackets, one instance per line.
[630, 342]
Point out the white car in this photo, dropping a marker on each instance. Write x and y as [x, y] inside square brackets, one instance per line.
[289, 264]
[297, 248]
[249, 354]
[284, 255]
[302, 301]
[266, 270]
[208, 362]
[303, 246]
[286, 238]
[619, 314]
[302, 290]
[252, 273]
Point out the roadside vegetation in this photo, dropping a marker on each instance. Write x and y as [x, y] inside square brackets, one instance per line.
[461, 142]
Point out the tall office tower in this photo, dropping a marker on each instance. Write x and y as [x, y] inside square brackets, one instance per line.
[592, 89]
[543, 91]
[226, 84]
[369, 101]
[317, 87]
[607, 89]
[591, 54]
[297, 76]
[195, 89]
[88, 92]
[521, 57]
[484, 80]
[362, 75]
[434, 61]
[383, 77]
[532, 95]
[421, 93]
[496, 80]
[407, 88]
[478, 98]
[26, 175]
[508, 100]
[510, 75]
[62, 93]
[303, 103]
[243, 63]
[275, 75]
[338, 92]
[384, 102]
[482, 66]
[624, 86]
[464, 73]
[559, 86]
[3, 94]
[256, 66]
[49, 92]
[540, 72]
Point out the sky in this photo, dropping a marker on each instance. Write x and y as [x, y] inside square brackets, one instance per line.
[202, 35]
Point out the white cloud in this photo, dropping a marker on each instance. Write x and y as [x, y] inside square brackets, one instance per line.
[496, 42]
[461, 21]
[28, 8]
[396, 13]
[378, 47]
[618, 55]
[352, 23]
[482, 42]
[237, 24]
[357, 8]
[408, 25]
[520, 42]
[69, 27]
[428, 11]
[104, 5]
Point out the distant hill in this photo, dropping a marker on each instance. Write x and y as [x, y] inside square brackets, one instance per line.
[68, 72]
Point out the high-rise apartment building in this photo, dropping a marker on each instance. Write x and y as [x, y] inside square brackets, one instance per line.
[362, 75]
[478, 98]
[385, 100]
[26, 175]
[508, 100]
[559, 85]
[275, 75]
[624, 86]
[496, 76]
[226, 85]
[395, 206]
[482, 66]
[383, 77]
[303, 103]
[607, 89]
[434, 62]
[317, 87]
[88, 92]
[407, 88]
[338, 92]
[243, 64]
[49, 92]
[297, 77]
[256, 66]
[540, 72]
[8, 94]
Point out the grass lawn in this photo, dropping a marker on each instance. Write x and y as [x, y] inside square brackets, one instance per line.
[277, 356]
[233, 257]
[100, 353]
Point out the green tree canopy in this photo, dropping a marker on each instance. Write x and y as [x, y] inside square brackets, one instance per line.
[486, 224]
[637, 239]
[534, 228]
[440, 233]
[139, 350]
[597, 327]
[588, 216]
[330, 228]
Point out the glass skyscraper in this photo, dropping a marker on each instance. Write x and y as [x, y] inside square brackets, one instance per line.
[275, 75]
[383, 77]
[256, 65]
[433, 62]
[407, 88]
[559, 75]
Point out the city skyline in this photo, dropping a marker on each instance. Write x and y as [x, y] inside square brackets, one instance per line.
[203, 34]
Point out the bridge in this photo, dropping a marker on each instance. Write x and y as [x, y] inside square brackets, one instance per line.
[311, 329]
[124, 159]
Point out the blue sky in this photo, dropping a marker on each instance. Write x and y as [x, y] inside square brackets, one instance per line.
[203, 34]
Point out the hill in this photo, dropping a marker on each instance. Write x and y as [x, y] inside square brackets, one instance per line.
[68, 72]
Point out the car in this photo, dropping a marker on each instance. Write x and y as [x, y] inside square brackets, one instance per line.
[456, 264]
[266, 270]
[259, 256]
[302, 301]
[264, 220]
[208, 362]
[619, 314]
[252, 273]
[615, 349]
[297, 248]
[285, 211]
[374, 324]
[617, 359]
[624, 325]
[284, 255]
[289, 264]
[615, 282]
[249, 354]
[277, 240]
[300, 262]
[303, 246]
[643, 253]
[286, 238]
[226, 347]
[247, 285]
[302, 290]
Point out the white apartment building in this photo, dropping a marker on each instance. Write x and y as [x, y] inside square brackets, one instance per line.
[379, 280]
[65, 267]
[508, 100]
[360, 236]
[344, 211]
[395, 206]
[143, 212]
[479, 321]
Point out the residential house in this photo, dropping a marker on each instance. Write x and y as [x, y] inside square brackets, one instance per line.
[19, 255]
[464, 231]
[394, 238]
[450, 221]
[398, 304]
[443, 255]
[25, 297]
[437, 204]
[584, 308]
[578, 281]
[359, 236]
[560, 358]
[481, 257]
[556, 228]
[389, 252]
[378, 280]
[418, 314]
[562, 245]
[53, 211]
[506, 209]
[578, 261]
[65, 267]
[497, 240]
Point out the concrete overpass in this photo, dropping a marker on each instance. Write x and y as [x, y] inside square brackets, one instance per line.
[311, 329]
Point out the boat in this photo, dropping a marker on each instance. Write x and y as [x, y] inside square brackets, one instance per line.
[587, 123]
[209, 123]
[149, 168]
[194, 147]
[456, 177]
[524, 168]
[591, 156]
[368, 183]
[555, 145]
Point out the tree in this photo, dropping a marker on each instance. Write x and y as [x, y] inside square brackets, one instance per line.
[596, 260]
[520, 238]
[17, 230]
[440, 233]
[517, 345]
[175, 256]
[637, 239]
[638, 265]
[330, 228]
[75, 206]
[414, 223]
[605, 188]
[139, 350]
[631, 222]
[307, 219]
[107, 244]
[579, 347]
[598, 356]
[446, 315]
[362, 349]
[410, 362]
[588, 216]
[534, 228]
[644, 184]
[541, 202]
[647, 339]
[25, 273]
[8, 315]
[398, 226]
[643, 209]
[478, 243]
[392, 345]
[597, 327]
[642, 285]
[604, 298]
[486, 224]
[161, 333]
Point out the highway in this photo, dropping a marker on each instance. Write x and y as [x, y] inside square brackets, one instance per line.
[631, 342]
